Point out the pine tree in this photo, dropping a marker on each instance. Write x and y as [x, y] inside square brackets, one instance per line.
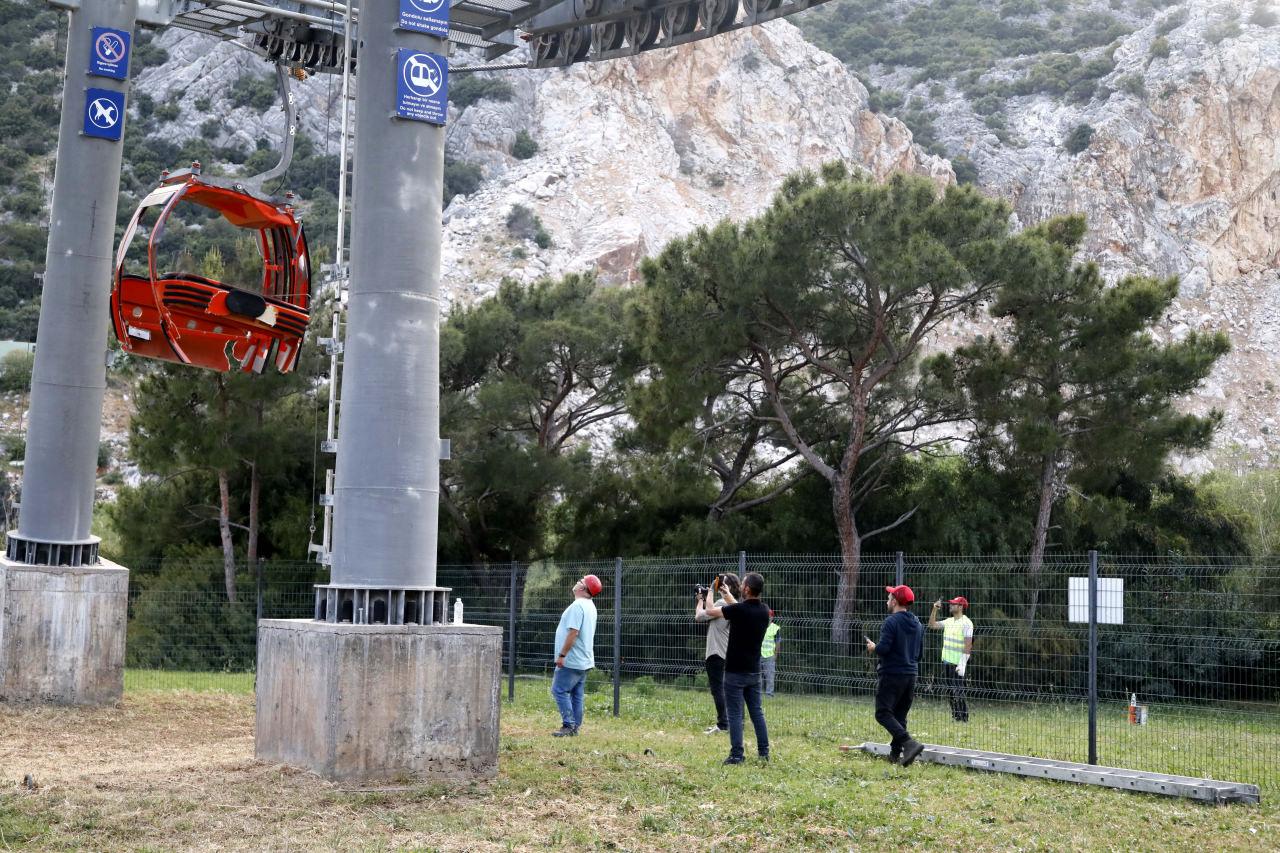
[1074, 391]
[825, 301]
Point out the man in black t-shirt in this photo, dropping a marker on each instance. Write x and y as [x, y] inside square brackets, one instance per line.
[748, 620]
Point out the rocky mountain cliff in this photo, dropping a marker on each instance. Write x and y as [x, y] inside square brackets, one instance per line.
[1179, 177]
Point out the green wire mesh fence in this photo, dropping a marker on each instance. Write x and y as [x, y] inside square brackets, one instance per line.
[1188, 663]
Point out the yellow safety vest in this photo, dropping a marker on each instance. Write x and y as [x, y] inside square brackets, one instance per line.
[953, 628]
[770, 643]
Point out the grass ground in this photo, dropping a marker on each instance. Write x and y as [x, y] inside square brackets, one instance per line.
[174, 769]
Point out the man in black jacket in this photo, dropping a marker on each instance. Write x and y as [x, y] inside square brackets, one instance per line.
[899, 650]
[748, 621]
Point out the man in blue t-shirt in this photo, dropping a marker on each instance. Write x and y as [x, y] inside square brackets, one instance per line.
[899, 649]
[575, 654]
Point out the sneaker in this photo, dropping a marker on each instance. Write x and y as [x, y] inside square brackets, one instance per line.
[565, 731]
[895, 756]
[732, 760]
[714, 730]
[911, 751]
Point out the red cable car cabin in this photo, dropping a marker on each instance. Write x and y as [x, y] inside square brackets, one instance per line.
[190, 319]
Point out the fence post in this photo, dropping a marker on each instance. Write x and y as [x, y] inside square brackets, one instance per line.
[742, 564]
[260, 572]
[511, 636]
[1093, 657]
[899, 565]
[617, 634]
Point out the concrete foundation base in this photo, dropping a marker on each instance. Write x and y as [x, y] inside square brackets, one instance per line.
[377, 702]
[62, 633]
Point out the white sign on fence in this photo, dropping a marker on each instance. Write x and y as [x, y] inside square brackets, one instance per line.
[1110, 600]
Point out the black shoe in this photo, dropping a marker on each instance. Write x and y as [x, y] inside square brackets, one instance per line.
[764, 758]
[565, 731]
[910, 751]
[733, 760]
[895, 756]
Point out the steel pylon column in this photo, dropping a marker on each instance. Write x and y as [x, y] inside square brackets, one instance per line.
[69, 379]
[386, 496]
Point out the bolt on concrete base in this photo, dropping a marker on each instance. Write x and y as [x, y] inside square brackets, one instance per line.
[62, 631]
[359, 703]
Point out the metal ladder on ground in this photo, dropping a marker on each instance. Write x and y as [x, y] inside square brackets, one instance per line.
[1205, 790]
[337, 285]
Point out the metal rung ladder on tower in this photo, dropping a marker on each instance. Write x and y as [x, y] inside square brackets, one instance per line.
[339, 280]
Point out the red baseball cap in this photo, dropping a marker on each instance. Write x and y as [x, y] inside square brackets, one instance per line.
[961, 600]
[903, 593]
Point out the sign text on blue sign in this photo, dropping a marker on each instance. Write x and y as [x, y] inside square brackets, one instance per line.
[109, 54]
[422, 86]
[425, 16]
[103, 113]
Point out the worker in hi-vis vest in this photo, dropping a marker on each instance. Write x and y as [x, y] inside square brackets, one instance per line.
[957, 645]
[769, 657]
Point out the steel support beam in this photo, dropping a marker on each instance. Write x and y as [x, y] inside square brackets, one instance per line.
[70, 376]
[386, 492]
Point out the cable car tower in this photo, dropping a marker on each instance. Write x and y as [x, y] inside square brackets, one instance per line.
[376, 685]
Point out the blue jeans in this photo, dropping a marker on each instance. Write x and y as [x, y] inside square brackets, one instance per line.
[568, 687]
[739, 688]
[768, 673]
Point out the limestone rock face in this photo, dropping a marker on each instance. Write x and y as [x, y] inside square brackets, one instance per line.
[1182, 177]
[635, 152]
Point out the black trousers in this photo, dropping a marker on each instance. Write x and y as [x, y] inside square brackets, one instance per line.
[955, 687]
[893, 702]
[715, 677]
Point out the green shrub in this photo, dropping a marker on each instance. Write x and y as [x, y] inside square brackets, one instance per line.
[524, 224]
[965, 169]
[1263, 15]
[1222, 31]
[210, 129]
[1079, 138]
[250, 90]
[1159, 48]
[15, 446]
[15, 371]
[1134, 84]
[643, 686]
[168, 111]
[1171, 22]
[524, 147]
[460, 178]
[467, 89]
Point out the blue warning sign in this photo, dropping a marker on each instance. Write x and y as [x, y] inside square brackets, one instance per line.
[110, 54]
[425, 16]
[422, 86]
[103, 113]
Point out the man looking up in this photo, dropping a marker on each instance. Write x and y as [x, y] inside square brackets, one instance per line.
[747, 620]
[575, 654]
[901, 644]
[957, 646]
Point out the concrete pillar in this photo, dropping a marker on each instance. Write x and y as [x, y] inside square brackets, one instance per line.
[62, 632]
[375, 702]
[62, 628]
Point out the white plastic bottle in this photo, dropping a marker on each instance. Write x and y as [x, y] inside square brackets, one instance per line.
[457, 611]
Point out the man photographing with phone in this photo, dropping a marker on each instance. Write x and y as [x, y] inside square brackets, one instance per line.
[748, 621]
[717, 642]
